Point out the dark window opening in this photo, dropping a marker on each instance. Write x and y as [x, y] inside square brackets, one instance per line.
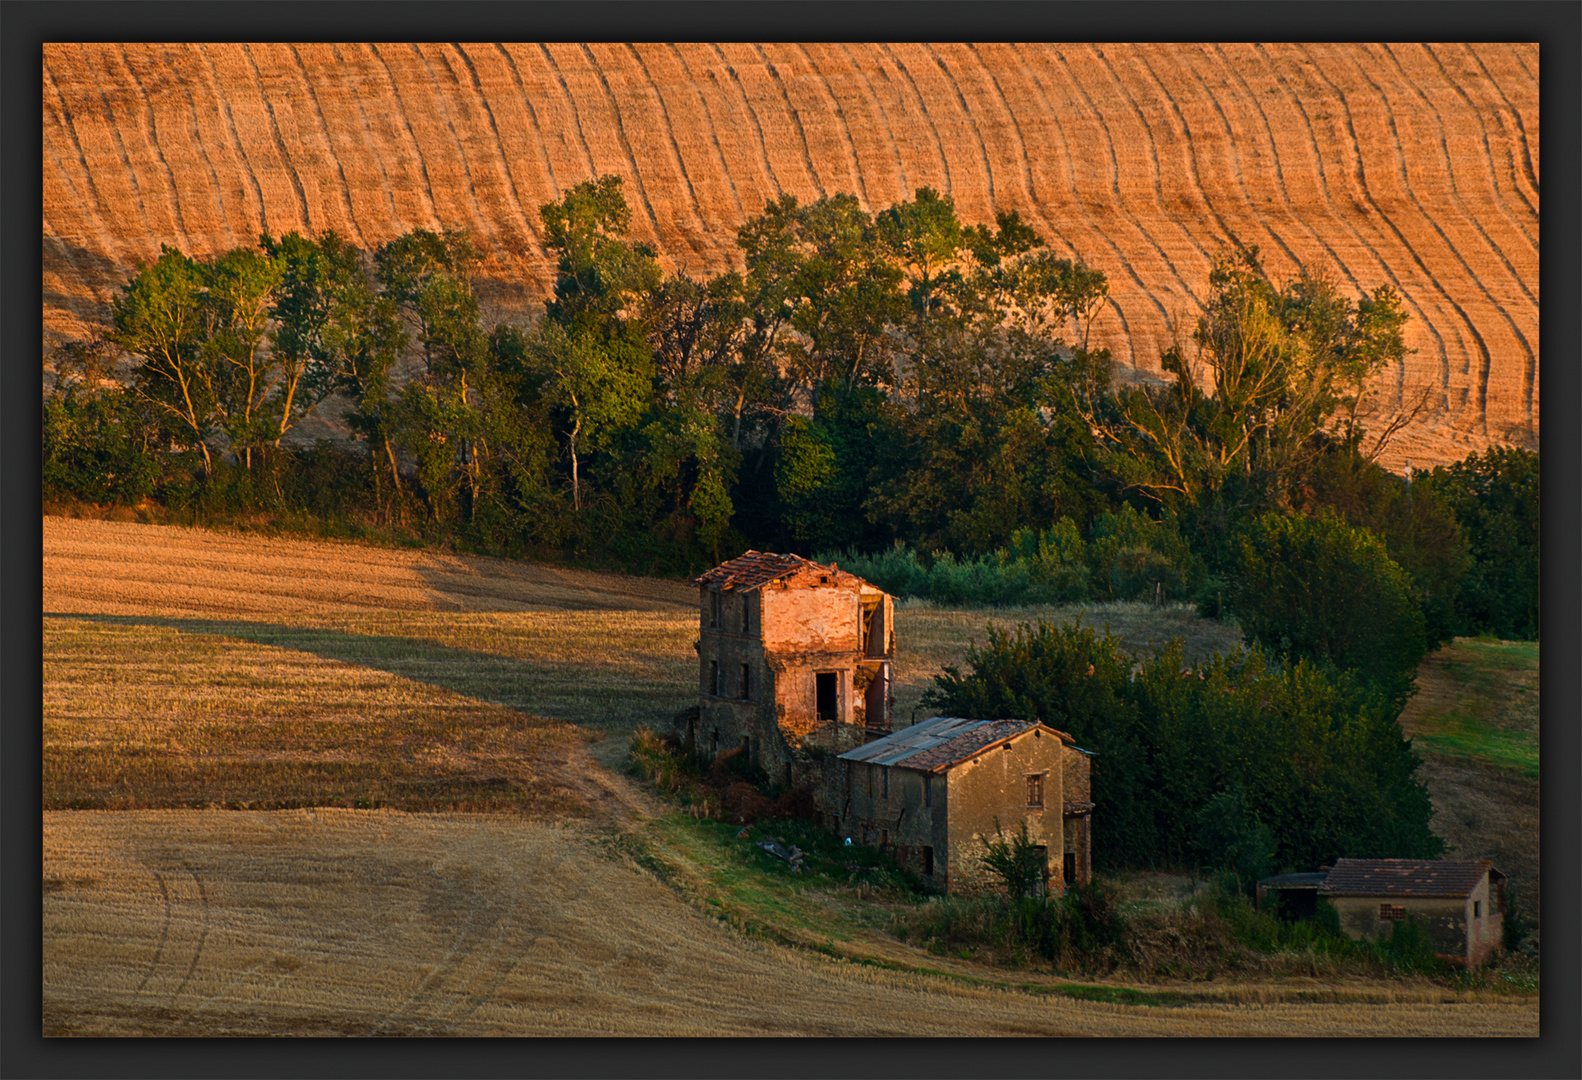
[788, 774]
[928, 860]
[692, 733]
[714, 741]
[884, 839]
[747, 609]
[714, 678]
[747, 747]
[828, 687]
[1035, 790]
[886, 769]
[1477, 909]
[1393, 912]
[747, 688]
[1069, 870]
[871, 769]
[714, 611]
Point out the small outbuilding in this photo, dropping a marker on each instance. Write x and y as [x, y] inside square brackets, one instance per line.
[1461, 903]
[935, 793]
[1292, 896]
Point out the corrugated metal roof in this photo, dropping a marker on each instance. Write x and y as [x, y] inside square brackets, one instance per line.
[754, 568]
[1404, 877]
[940, 741]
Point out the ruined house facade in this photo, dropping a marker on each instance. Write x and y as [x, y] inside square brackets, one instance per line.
[794, 669]
[794, 662]
[1460, 903]
[934, 794]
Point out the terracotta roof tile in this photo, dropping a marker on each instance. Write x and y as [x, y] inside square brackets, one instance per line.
[752, 569]
[1404, 877]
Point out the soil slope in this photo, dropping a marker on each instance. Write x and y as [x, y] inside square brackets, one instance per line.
[1410, 165]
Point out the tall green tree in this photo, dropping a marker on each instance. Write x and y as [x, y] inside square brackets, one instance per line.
[1494, 496]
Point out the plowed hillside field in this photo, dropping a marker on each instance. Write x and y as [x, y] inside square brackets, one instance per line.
[1410, 165]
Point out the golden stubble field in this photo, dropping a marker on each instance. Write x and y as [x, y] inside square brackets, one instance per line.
[187, 672]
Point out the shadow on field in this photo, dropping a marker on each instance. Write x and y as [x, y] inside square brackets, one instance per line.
[590, 695]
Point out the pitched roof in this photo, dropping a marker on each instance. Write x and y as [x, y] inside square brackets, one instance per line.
[1405, 877]
[754, 568]
[941, 741]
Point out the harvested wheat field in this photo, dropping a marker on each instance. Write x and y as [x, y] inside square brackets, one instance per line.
[218, 707]
[375, 923]
[1411, 165]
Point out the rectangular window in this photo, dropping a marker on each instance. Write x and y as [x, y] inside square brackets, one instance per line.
[1477, 909]
[1392, 912]
[1035, 790]
[928, 860]
[714, 610]
[871, 770]
[747, 609]
[714, 678]
[747, 688]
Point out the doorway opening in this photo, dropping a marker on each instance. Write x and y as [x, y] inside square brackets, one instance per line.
[828, 686]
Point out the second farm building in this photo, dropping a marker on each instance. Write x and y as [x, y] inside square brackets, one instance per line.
[795, 669]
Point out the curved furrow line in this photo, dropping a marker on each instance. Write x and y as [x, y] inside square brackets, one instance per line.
[626, 147]
[1360, 173]
[342, 188]
[571, 109]
[197, 953]
[1236, 168]
[532, 116]
[967, 118]
[425, 988]
[704, 228]
[1120, 214]
[1015, 126]
[712, 127]
[280, 142]
[889, 138]
[1102, 235]
[1450, 172]
[164, 935]
[146, 128]
[1528, 165]
[939, 142]
[374, 153]
[1399, 157]
[773, 71]
[467, 184]
[1181, 130]
[475, 85]
[245, 167]
[1279, 174]
[93, 205]
[1528, 193]
[1369, 250]
[838, 119]
[74, 292]
[412, 142]
[758, 128]
[1158, 183]
[201, 144]
[126, 161]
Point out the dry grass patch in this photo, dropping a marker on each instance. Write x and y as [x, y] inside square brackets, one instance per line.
[1474, 721]
[149, 716]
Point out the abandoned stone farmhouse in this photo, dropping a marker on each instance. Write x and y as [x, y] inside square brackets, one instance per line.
[794, 669]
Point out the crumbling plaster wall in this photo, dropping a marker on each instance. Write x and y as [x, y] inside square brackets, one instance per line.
[993, 785]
